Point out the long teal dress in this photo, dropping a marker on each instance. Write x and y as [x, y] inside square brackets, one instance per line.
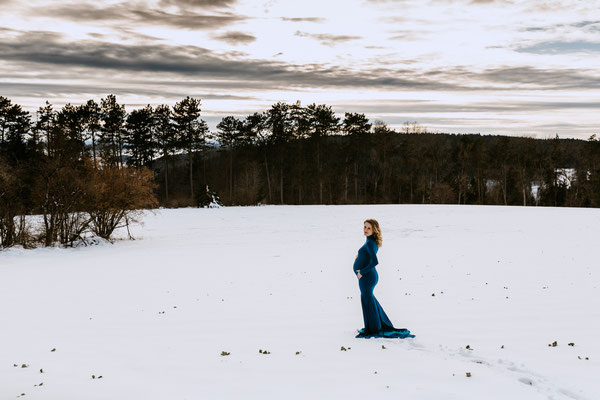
[377, 323]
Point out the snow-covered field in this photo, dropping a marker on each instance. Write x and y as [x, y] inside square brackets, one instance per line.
[152, 316]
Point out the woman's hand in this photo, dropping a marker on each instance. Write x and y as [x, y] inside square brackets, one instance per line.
[359, 275]
[356, 257]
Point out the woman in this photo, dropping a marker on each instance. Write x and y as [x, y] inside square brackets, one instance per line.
[377, 323]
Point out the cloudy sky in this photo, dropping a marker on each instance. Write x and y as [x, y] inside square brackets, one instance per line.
[489, 66]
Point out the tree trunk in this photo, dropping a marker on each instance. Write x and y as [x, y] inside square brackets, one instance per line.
[356, 181]
[268, 179]
[281, 184]
[166, 163]
[320, 173]
[478, 188]
[504, 185]
[120, 144]
[94, 148]
[48, 141]
[346, 187]
[191, 176]
[230, 174]
[383, 186]
[375, 191]
[400, 192]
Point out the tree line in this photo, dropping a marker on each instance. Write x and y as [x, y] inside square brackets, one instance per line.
[55, 188]
[288, 154]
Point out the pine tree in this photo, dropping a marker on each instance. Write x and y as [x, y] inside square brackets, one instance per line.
[140, 139]
[46, 118]
[166, 139]
[229, 135]
[72, 120]
[191, 131]
[322, 122]
[15, 125]
[280, 122]
[91, 117]
[356, 126]
[112, 130]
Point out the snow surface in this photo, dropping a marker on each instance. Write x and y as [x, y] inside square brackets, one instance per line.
[152, 316]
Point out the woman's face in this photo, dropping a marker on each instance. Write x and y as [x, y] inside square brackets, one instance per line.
[367, 229]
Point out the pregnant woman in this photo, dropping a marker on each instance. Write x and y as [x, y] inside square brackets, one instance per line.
[377, 323]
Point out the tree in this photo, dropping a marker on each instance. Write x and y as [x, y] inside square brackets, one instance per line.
[280, 122]
[256, 133]
[385, 144]
[463, 155]
[112, 115]
[46, 118]
[12, 208]
[140, 136]
[413, 127]
[15, 124]
[323, 122]
[166, 138]
[91, 118]
[5, 106]
[357, 127]
[229, 134]
[302, 175]
[72, 122]
[191, 130]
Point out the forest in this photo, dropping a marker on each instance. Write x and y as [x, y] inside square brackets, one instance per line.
[90, 167]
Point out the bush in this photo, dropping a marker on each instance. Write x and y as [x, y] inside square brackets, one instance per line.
[116, 196]
[60, 191]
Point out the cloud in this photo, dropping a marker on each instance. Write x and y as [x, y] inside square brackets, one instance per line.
[141, 15]
[587, 25]
[407, 35]
[427, 107]
[559, 47]
[488, 1]
[50, 90]
[234, 38]
[304, 19]
[198, 3]
[584, 23]
[538, 78]
[328, 39]
[190, 63]
[143, 66]
[387, 1]
[436, 2]
[538, 29]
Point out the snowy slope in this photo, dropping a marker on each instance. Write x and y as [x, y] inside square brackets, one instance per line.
[152, 316]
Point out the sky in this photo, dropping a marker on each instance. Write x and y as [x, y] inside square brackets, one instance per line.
[521, 68]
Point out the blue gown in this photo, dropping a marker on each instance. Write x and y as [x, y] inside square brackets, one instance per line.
[377, 323]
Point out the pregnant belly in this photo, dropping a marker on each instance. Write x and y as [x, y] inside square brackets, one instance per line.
[359, 262]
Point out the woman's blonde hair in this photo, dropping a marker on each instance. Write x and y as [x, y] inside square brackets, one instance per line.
[376, 231]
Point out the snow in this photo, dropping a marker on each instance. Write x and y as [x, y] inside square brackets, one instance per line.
[565, 176]
[279, 278]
